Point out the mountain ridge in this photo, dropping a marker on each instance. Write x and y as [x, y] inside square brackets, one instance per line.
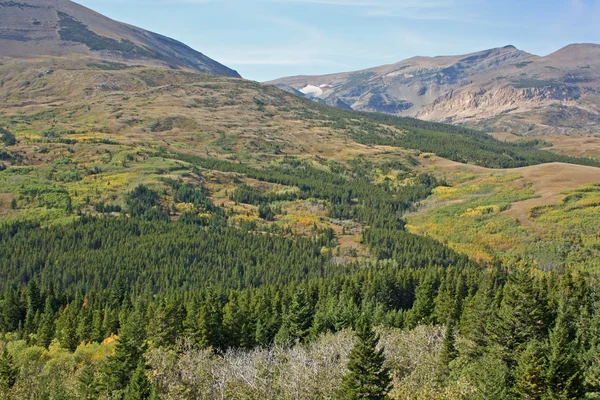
[499, 89]
[62, 28]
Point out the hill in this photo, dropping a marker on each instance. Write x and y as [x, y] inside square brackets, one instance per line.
[31, 29]
[496, 90]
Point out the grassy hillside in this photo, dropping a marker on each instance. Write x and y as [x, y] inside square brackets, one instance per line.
[164, 219]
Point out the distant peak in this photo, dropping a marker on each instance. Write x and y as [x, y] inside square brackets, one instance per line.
[510, 46]
[577, 50]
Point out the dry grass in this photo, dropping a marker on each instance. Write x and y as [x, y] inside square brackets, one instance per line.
[549, 181]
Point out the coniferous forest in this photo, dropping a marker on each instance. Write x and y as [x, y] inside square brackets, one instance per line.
[142, 306]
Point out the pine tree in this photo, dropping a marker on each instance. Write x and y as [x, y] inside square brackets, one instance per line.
[209, 324]
[300, 316]
[87, 383]
[530, 372]
[367, 377]
[46, 329]
[85, 325]
[233, 321]
[13, 311]
[139, 387]
[423, 308]
[449, 351]
[8, 372]
[166, 323]
[129, 350]
[477, 312]
[522, 316]
[564, 375]
[66, 328]
[34, 297]
[30, 326]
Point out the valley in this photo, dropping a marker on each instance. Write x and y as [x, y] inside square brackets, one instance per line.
[169, 230]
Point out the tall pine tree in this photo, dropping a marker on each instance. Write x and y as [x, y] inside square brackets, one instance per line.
[129, 350]
[8, 372]
[139, 387]
[367, 377]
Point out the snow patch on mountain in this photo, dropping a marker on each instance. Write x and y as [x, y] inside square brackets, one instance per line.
[312, 91]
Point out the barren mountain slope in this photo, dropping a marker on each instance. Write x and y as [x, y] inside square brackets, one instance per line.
[497, 89]
[58, 28]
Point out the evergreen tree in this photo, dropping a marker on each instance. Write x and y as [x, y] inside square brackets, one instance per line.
[13, 311]
[34, 297]
[300, 315]
[449, 351]
[85, 325]
[8, 372]
[66, 328]
[129, 350]
[166, 324]
[367, 377]
[139, 387]
[530, 372]
[478, 310]
[422, 311]
[564, 375]
[522, 316]
[87, 384]
[30, 326]
[46, 330]
[233, 322]
[209, 323]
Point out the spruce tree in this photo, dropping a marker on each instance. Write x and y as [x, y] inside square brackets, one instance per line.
[449, 351]
[367, 377]
[87, 383]
[139, 387]
[564, 374]
[530, 372]
[129, 350]
[46, 329]
[422, 312]
[300, 315]
[66, 328]
[209, 324]
[8, 372]
[522, 316]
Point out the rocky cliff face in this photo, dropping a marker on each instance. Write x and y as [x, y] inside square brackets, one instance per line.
[30, 29]
[497, 89]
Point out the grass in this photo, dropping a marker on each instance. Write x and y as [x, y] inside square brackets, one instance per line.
[118, 130]
[474, 217]
[468, 217]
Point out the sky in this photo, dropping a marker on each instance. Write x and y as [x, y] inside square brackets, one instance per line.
[269, 39]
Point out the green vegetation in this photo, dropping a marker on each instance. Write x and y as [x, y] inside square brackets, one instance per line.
[243, 244]
[471, 218]
[7, 138]
[367, 377]
[453, 142]
[74, 31]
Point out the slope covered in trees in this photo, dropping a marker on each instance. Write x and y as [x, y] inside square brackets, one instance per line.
[189, 236]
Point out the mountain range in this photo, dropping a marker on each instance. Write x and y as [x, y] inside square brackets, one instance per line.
[33, 29]
[501, 89]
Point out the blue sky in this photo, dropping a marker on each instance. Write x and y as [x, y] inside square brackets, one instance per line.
[268, 39]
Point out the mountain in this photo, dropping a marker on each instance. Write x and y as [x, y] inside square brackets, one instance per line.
[30, 29]
[498, 89]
